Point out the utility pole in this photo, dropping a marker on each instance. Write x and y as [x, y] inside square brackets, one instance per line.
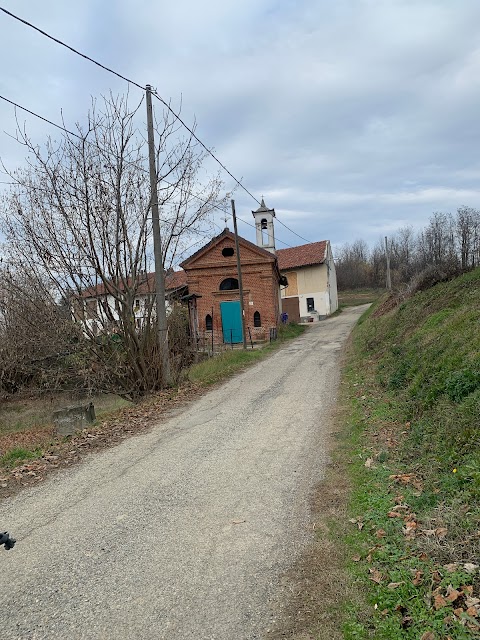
[162, 335]
[387, 253]
[239, 270]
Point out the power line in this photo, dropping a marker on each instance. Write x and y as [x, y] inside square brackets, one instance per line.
[136, 84]
[93, 144]
[64, 129]
[254, 227]
[248, 225]
[205, 147]
[63, 44]
[41, 117]
[294, 233]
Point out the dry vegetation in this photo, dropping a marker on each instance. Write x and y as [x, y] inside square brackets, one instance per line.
[413, 533]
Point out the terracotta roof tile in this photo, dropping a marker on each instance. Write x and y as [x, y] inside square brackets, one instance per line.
[302, 256]
[173, 281]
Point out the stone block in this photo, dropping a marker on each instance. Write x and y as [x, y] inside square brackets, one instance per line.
[69, 420]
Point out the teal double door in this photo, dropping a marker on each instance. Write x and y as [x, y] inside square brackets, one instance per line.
[231, 321]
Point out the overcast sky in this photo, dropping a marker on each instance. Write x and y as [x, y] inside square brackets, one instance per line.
[351, 117]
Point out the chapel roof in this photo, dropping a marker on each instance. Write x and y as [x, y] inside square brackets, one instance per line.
[173, 280]
[226, 233]
[302, 256]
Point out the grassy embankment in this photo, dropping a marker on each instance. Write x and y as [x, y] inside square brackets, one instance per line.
[26, 430]
[355, 297]
[411, 392]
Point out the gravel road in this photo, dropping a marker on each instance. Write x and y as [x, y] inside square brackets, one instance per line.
[183, 532]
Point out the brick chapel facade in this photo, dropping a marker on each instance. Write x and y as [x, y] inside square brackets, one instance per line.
[212, 280]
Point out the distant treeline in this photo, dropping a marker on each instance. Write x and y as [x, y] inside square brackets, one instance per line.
[450, 243]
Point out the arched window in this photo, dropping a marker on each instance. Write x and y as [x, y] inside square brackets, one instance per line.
[208, 322]
[264, 228]
[257, 321]
[228, 284]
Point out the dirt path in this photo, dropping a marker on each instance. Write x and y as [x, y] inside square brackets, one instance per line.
[185, 531]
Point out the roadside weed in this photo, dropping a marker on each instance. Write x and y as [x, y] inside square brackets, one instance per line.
[411, 449]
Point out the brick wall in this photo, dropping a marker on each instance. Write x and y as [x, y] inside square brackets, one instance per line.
[208, 268]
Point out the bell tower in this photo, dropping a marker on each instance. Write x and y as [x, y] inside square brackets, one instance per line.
[264, 226]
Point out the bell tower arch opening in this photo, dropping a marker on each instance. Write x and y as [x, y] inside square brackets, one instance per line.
[264, 227]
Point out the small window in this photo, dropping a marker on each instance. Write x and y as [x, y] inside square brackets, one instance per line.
[227, 252]
[229, 284]
[137, 303]
[310, 304]
[257, 321]
[208, 322]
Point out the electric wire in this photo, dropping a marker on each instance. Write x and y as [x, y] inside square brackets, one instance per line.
[136, 84]
[93, 144]
[254, 227]
[294, 233]
[205, 147]
[41, 117]
[63, 44]
[139, 86]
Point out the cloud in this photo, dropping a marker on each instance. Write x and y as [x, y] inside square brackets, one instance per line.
[350, 117]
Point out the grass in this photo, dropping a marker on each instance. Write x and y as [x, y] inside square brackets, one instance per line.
[225, 364]
[26, 429]
[18, 455]
[31, 413]
[411, 391]
[355, 297]
[26, 423]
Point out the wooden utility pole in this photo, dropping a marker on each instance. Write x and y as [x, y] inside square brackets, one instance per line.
[162, 335]
[239, 270]
[387, 253]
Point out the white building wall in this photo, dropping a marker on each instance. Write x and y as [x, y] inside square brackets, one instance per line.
[332, 280]
[101, 320]
[315, 281]
[321, 304]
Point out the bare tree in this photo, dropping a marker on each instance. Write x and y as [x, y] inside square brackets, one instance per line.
[401, 246]
[352, 265]
[436, 243]
[35, 334]
[78, 217]
[467, 228]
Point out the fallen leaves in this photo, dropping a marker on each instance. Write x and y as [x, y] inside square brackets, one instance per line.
[375, 576]
[418, 578]
[358, 521]
[61, 453]
[410, 528]
[408, 478]
[452, 594]
[406, 619]
[468, 567]
[394, 585]
[439, 601]
[465, 608]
